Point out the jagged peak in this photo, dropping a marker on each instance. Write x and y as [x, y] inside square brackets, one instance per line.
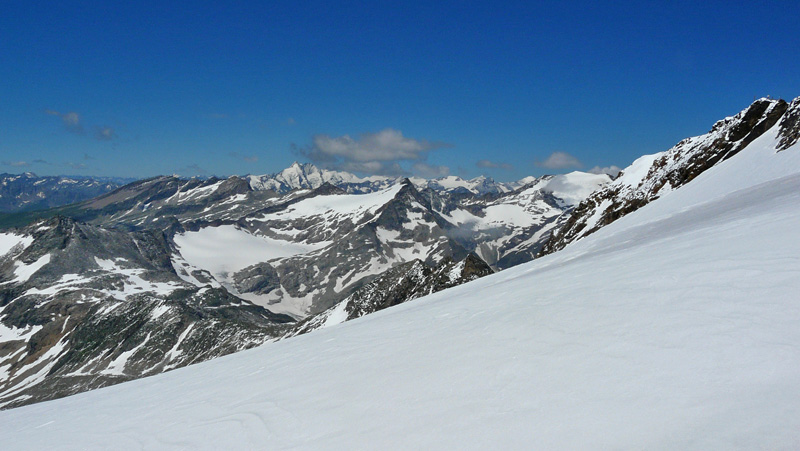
[759, 108]
[789, 132]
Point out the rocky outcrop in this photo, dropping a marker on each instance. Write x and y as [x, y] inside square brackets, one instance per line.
[400, 284]
[789, 132]
[651, 176]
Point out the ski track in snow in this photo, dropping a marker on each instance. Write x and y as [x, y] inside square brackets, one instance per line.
[675, 327]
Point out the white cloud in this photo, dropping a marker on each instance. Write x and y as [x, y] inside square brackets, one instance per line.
[560, 160]
[375, 153]
[430, 171]
[105, 133]
[385, 145]
[612, 170]
[71, 120]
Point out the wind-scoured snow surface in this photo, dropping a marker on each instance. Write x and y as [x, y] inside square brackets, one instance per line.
[675, 327]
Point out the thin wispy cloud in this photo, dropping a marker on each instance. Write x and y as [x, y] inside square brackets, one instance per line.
[192, 170]
[376, 153]
[16, 164]
[488, 164]
[612, 170]
[559, 160]
[247, 158]
[104, 133]
[77, 165]
[73, 123]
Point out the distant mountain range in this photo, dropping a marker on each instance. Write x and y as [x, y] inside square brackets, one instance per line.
[308, 176]
[28, 191]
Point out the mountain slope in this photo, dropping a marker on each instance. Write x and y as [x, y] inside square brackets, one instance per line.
[83, 307]
[673, 327]
[653, 176]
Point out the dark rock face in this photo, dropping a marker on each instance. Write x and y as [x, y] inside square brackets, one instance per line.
[676, 167]
[790, 126]
[400, 284]
[85, 307]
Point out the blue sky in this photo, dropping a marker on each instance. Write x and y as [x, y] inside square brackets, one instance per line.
[507, 89]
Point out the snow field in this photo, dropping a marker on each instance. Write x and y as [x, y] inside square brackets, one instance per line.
[10, 240]
[227, 249]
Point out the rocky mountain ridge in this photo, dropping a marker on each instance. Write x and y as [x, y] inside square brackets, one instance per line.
[653, 176]
[402, 283]
[308, 176]
[82, 307]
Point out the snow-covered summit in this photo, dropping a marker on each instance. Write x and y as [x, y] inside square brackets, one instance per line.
[309, 176]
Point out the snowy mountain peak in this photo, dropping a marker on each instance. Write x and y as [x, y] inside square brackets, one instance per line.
[653, 176]
[308, 176]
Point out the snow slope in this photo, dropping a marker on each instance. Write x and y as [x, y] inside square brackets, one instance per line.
[226, 249]
[674, 327]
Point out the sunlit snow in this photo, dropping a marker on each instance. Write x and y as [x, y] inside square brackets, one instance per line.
[226, 249]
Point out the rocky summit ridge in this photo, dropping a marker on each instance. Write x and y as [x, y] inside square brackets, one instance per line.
[654, 176]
